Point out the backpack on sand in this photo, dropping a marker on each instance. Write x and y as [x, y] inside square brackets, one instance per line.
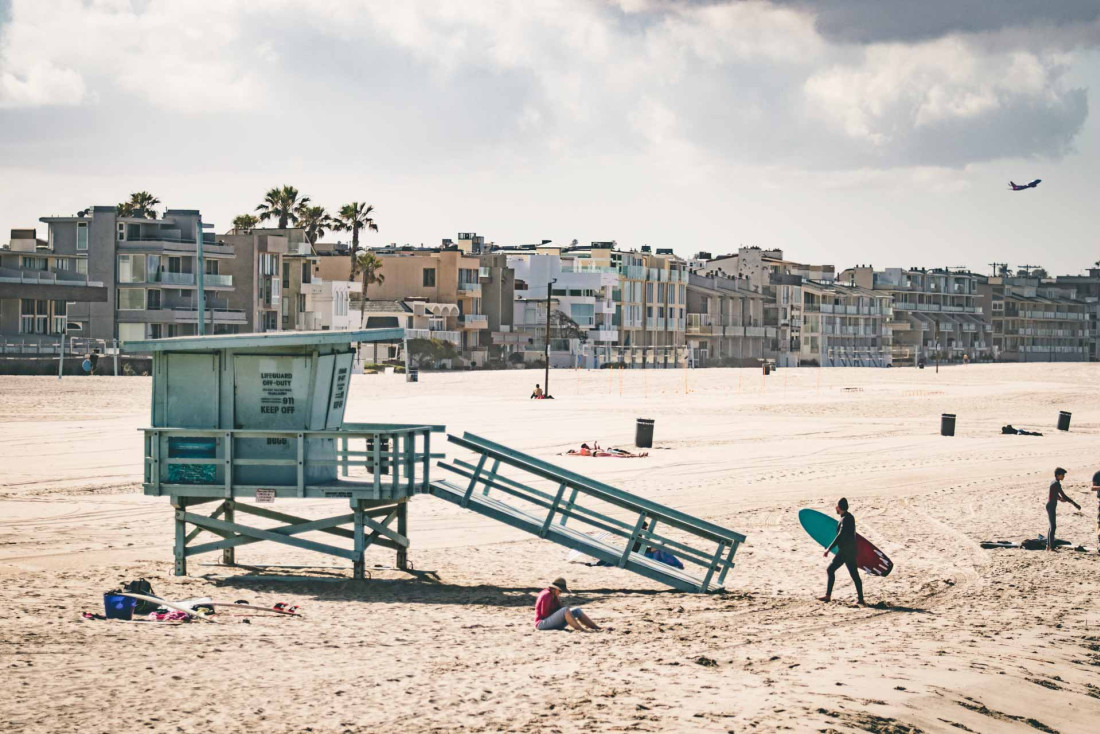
[143, 587]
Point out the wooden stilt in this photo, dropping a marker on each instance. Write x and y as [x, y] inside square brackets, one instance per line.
[403, 531]
[360, 540]
[181, 536]
[229, 555]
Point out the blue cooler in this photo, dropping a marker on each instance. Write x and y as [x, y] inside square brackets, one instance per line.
[118, 607]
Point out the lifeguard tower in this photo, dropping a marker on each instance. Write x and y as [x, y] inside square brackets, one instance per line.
[260, 417]
[243, 419]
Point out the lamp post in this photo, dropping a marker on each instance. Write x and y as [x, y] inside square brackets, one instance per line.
[546, 377]
[64, 333]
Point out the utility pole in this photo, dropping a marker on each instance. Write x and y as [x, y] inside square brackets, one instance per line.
[200, 280]
[546, 378]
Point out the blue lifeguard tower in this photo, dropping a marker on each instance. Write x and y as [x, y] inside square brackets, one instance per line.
[240, 420]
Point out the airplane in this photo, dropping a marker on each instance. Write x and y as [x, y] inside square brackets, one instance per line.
[1022, 187]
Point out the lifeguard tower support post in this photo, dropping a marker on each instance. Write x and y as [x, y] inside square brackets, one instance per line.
[260, 416]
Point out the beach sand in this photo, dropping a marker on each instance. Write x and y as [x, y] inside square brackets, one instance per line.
[957, 638]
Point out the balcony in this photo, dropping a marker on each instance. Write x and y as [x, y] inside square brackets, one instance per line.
[176, 278]
[217, 281]
[700, 323]
[469, 289]
[453, 337]
[187, 315]
[473, 321]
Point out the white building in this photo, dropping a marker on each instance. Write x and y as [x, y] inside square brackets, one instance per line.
[326, 306]
[582, 292]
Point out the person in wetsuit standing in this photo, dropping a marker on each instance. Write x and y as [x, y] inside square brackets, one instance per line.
[1054, 496]
[845, 544]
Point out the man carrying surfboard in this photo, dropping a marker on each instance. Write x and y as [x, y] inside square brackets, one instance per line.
[1054, 496]
[845, 544]
[1096, 488]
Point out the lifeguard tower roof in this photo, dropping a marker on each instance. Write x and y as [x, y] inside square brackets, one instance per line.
[264, 340]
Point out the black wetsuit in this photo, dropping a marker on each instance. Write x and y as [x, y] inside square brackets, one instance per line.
[1053, 496]
[845, 543]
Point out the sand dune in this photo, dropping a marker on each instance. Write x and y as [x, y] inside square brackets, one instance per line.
[957, 639]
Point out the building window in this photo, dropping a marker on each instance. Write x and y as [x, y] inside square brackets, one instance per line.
[131, 332]
[153, 302]
[131, 268]
[131, 299]
[301, 302]
[35, 263]
[82, 266]
[62, 263]
[121, 232]
[81, 236]
[429, 277]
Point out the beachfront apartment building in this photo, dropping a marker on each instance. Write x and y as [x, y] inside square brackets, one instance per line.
[134, 277]
[1035, 319]
[445, 279]
[39, 279]
[258, 272]
[583, 295]
[842, 325]
[725, 320]
[783, 297]
[937, 313]
[1087, 289]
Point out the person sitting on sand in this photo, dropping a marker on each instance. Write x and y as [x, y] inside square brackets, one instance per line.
[537, 394]
[551, 615]
[1054, 496]
[845, 544]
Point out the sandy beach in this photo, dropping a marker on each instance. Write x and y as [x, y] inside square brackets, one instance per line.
[957, 638]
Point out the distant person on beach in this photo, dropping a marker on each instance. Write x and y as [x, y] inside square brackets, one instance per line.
[1096, 488]
[537, 394]
[1054, 496]
[551, 615]
[845, 544]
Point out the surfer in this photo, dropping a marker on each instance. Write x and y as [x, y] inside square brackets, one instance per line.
[551, 615]
[1096, 488]
[845, 544]
[1054, 496]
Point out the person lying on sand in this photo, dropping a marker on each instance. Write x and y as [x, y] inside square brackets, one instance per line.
[613, 453]
[845, 544]
[551, 615]
[1054, 496]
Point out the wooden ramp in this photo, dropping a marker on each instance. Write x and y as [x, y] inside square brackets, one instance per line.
[623, 532]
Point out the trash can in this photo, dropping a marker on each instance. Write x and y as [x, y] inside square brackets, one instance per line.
[947, 424]
[1063, 420]
[118, 607]
[413, 375]
[643, 433]
[766, 370]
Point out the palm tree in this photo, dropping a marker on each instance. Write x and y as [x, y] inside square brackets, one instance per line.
[282, 204]
[141, 204]
[244, 223]
[370, 266]
[354, 217]
[314, 220]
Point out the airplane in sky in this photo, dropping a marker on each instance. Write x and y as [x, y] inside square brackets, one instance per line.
[1022, 187]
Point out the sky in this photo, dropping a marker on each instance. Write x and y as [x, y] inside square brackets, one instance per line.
[844, 132]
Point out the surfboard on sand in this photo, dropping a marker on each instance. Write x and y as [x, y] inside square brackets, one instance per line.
[166, 604]
[822, 528]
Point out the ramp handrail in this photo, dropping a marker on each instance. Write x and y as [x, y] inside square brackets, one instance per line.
[605, 492]
[639, 535]
[591, 517]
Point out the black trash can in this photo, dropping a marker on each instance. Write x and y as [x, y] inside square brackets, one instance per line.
[643, 433]
[1063, 420]
[947, 424]
[413, 375]
[767, 370]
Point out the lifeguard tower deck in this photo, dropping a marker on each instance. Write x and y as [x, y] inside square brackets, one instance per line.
[260, 417]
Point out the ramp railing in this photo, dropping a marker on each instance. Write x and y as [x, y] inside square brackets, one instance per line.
[629, 540]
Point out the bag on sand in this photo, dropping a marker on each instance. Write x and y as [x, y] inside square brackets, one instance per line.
[143, 587]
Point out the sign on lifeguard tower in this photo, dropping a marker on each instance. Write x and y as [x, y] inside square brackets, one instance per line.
[261, 416]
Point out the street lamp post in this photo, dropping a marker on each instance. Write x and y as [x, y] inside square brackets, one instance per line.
[64, 333]
[546, 377]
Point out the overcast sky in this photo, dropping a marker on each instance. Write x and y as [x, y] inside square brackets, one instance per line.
[845, 132]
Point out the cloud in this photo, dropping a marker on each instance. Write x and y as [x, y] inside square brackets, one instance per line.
[842, 85]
